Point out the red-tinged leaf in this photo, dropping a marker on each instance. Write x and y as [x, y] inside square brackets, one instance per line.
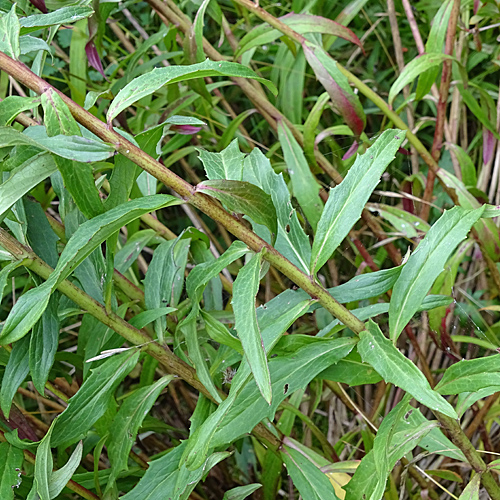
[305, 23]
[477, 4]
[186, 129]
[94, 59]
[335, 83]
[18, 421]
[40, 5]
[488, 145]
[351, 151]
[404, 151]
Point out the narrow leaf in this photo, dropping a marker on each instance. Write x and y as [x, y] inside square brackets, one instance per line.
[395, 368]
[426, 263]
[60, 478]
[347, 200]
[245, 289]
[92, 399]
[11, 462]
[150, 82]
[9, 33]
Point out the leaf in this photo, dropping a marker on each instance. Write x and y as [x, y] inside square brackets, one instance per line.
[288, 374]
[396, 437]
[470, 375]
[415, 68]
[146, 317]
[301, 23]
[352, 371]
[24, 178]
[12, 105]
[345, 101]
[218, 332]
[11, 462]
[89, 236]
[43, 465]
[9, 33]
[245, 198]
[306, 476]
[64, 15]
[404, 222]
[434, 44]
[245, 289]
[347, 200]
[43, 345]
[128, 254]
[60, 478]
[29, 44]
[310, 126]
[228, 164]
[304, 185]
[425, 264]
[395, 368]
[78, 177]
[127, 421]
[71, 147]
[471, 491]
[241, 492]
[149, 83]
[92, 399]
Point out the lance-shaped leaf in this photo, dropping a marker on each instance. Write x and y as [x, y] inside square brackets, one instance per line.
[24, 178]
[129, 418]
[9, 33]
[434, 44]
[311, 482]
[347, 200]
[150, 82]
[11, 461]
[470, 375]
[426, 263]
[92, 399]
[228, 164]
[64, 15]
[11, 106]
[336, 84]
[245, 198]
[245, 289]
[304, 185]
[396, 369]
[301, 23]
[414, 69]
[30, 306]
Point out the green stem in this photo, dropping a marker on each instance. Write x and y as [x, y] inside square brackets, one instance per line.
[25, 76]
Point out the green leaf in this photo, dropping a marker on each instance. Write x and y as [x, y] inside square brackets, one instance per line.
[292, 242]
[352, 371]
[302, 23]
[149, 83]
[245, 198]
[89, 236]
[43, 345]
[43, 465]
[311, 482]
[9, 33]
[78, 177]
[347, 200]
[471, 491]
[129, 418]
[470, 375]
[241, 492]
[92, 399]
[11, 461]
[15, 372]
[288, 373]
[12, 105]
[245, 289]
[310, 126]
[415, 68]
[70, 147]
[345, 101]
[29, 44]
[24, 178]
[397, 436]
[426, 263]
[64, 15]
[304, 186]
[434, 44]
[146, 317]
[403, 222]
[60, 478]
[228, 164]
[218, 332]
[395, 368]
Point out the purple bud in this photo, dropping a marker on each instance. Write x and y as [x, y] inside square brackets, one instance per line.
[94, 59]
[186, 129]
